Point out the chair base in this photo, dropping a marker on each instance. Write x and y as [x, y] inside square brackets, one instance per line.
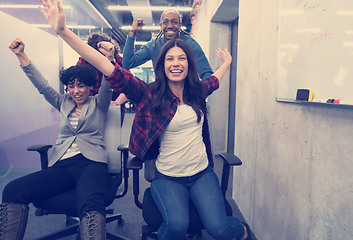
[148, 232]
[67, 231]
[111, 236]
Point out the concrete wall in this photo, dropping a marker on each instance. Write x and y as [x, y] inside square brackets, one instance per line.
[212, 36]
[296, 181]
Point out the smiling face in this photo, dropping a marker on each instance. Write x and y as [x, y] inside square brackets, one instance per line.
[79, 92]
[170, 25]
[176, 65]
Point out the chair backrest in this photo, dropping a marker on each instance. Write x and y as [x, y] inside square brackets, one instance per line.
[63, 203]
[112, 138]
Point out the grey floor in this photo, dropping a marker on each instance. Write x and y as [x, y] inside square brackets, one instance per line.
[39, 226]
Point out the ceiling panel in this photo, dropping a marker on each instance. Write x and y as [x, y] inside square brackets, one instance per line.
[123, 18]
[83, 12]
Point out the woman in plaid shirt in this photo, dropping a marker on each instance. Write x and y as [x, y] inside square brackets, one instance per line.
[171, 126]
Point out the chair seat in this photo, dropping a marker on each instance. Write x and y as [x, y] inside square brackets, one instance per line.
[59, 204]
[63, 203]
[150, 211]
[66, 203]
[154, 219]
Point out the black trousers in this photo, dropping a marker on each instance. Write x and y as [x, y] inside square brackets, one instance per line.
[90, 180]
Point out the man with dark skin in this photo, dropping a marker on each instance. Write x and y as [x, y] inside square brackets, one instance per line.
[170, 28]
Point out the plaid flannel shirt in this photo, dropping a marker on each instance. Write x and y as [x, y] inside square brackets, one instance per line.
[146, 129]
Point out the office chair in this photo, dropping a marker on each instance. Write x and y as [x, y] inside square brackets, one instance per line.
[150, 212]
[65, 202]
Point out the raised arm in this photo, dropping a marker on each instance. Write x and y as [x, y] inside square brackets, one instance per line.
[131, 58]
[55, 16]
[137, 25]
[226, 58]
[17, 46]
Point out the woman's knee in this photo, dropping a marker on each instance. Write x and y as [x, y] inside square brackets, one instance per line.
[230, 228]
[177, 227]
[218, 231]
[12, 193]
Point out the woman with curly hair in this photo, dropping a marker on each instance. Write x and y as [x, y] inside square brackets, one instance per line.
[79, 159]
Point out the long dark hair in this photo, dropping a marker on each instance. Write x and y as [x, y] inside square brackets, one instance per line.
[193, 88]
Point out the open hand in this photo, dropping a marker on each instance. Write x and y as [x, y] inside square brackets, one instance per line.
[224, 56]
[54, 13]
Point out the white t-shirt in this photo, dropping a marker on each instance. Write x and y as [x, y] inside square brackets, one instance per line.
[182, 150]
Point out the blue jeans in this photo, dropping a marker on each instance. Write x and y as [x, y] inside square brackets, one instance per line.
[172, 195]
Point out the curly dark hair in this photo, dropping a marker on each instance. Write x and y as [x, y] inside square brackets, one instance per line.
[193, 94]
[82, 73]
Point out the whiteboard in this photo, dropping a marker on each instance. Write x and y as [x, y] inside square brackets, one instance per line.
[315, 49]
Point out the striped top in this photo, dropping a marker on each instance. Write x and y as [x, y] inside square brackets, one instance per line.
[73, 149]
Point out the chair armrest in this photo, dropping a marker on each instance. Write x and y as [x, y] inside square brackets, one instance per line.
[39, 147]
[134, 163]
[42, 149]
[229, 160]
[123, 147]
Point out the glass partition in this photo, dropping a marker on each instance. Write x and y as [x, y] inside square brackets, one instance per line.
[145, 73]
[25, 117]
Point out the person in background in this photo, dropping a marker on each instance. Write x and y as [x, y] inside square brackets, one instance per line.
[110, 49]
[170, 28]
[79, 159]
[170, 125]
